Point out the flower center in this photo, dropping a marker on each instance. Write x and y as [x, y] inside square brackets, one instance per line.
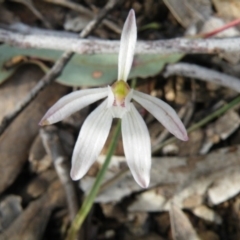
[120, 90]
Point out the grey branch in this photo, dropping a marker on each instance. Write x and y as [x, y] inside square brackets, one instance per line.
[88, 46]
[202, 73]
[57, 68]
[54, 148]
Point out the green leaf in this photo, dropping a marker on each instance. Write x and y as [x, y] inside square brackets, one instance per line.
[89, 70]
[153, 25]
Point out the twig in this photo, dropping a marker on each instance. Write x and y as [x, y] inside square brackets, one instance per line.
[81, 9]
[87, 46]
[57, 68]
[205, 74]
[220, 29]
[54, 148]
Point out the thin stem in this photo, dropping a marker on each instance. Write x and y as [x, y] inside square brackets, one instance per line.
[89, 200]
[202, 122]
[221, 29]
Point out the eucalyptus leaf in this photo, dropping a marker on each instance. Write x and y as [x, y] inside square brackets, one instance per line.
[88, 70]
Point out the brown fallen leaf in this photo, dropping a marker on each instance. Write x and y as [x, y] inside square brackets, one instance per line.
[15, 142]
[29, 4]
[150, 236]
[138, 224]
[184, 179]
[181, 227]
[38, 185]
[208, 214]
[10, 209]
[189, 185]
[229, 186]
[16, 88]
[220, 130]
[193, 145]
[227, 9]
[38, 158]
[6, 16]
[31, 224]
[188, 12]
[209, 235]
[236, 214]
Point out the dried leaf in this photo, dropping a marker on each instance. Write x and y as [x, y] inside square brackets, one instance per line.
[16, 141]
[181, 227]
[220, 130]
[32, 222]
[224, 188]
[29, 4]
[38, 158]
[227, 9]
[186, 180]
[207, 214]
[10, 209]
[188, 12]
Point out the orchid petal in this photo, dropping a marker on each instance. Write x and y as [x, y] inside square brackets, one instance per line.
[91, 139]
[137, 148]
[127, 46]
[163, 113]
[71, 103]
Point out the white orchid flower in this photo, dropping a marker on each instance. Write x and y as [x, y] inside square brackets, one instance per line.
[94, 131]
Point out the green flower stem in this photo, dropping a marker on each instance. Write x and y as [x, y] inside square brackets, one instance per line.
[204, 121]
[89, 200]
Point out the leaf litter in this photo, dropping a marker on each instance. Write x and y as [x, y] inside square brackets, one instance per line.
[196, 182]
